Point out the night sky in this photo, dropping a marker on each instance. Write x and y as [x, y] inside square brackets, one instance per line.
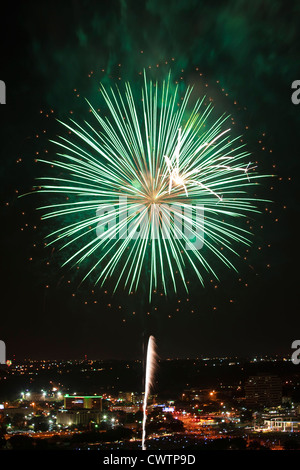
[245, 55]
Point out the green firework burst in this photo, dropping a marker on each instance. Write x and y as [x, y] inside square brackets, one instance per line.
[135, 180]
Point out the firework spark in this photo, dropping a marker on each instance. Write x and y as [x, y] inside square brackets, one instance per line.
[130, 178]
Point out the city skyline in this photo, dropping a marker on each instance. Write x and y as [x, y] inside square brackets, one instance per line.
[226, 404]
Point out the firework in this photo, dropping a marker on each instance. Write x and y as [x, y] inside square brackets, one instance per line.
[149, 376]
[134, 182]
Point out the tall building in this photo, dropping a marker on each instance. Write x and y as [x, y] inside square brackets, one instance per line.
[74, 402]
[263, 390]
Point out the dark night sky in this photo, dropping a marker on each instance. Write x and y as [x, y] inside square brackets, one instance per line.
[47, 51]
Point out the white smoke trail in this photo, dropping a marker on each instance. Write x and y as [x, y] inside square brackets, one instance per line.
[150, 369]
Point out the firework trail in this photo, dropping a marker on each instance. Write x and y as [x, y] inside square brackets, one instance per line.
[149, 377]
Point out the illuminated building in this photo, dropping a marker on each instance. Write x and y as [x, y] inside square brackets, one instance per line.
[263, 390]
[273, 422]
[80, 410]
[76, 417]
[128, 397]
[281, 424]
[74, 402]
[135, 398]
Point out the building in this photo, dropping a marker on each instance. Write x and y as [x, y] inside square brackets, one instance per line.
[127, 397]
[75, 402]
[282, 424]
[81, 410]
[75, 417]
[135, 398]
[278, 424]
[263, 390]
[11, 411]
